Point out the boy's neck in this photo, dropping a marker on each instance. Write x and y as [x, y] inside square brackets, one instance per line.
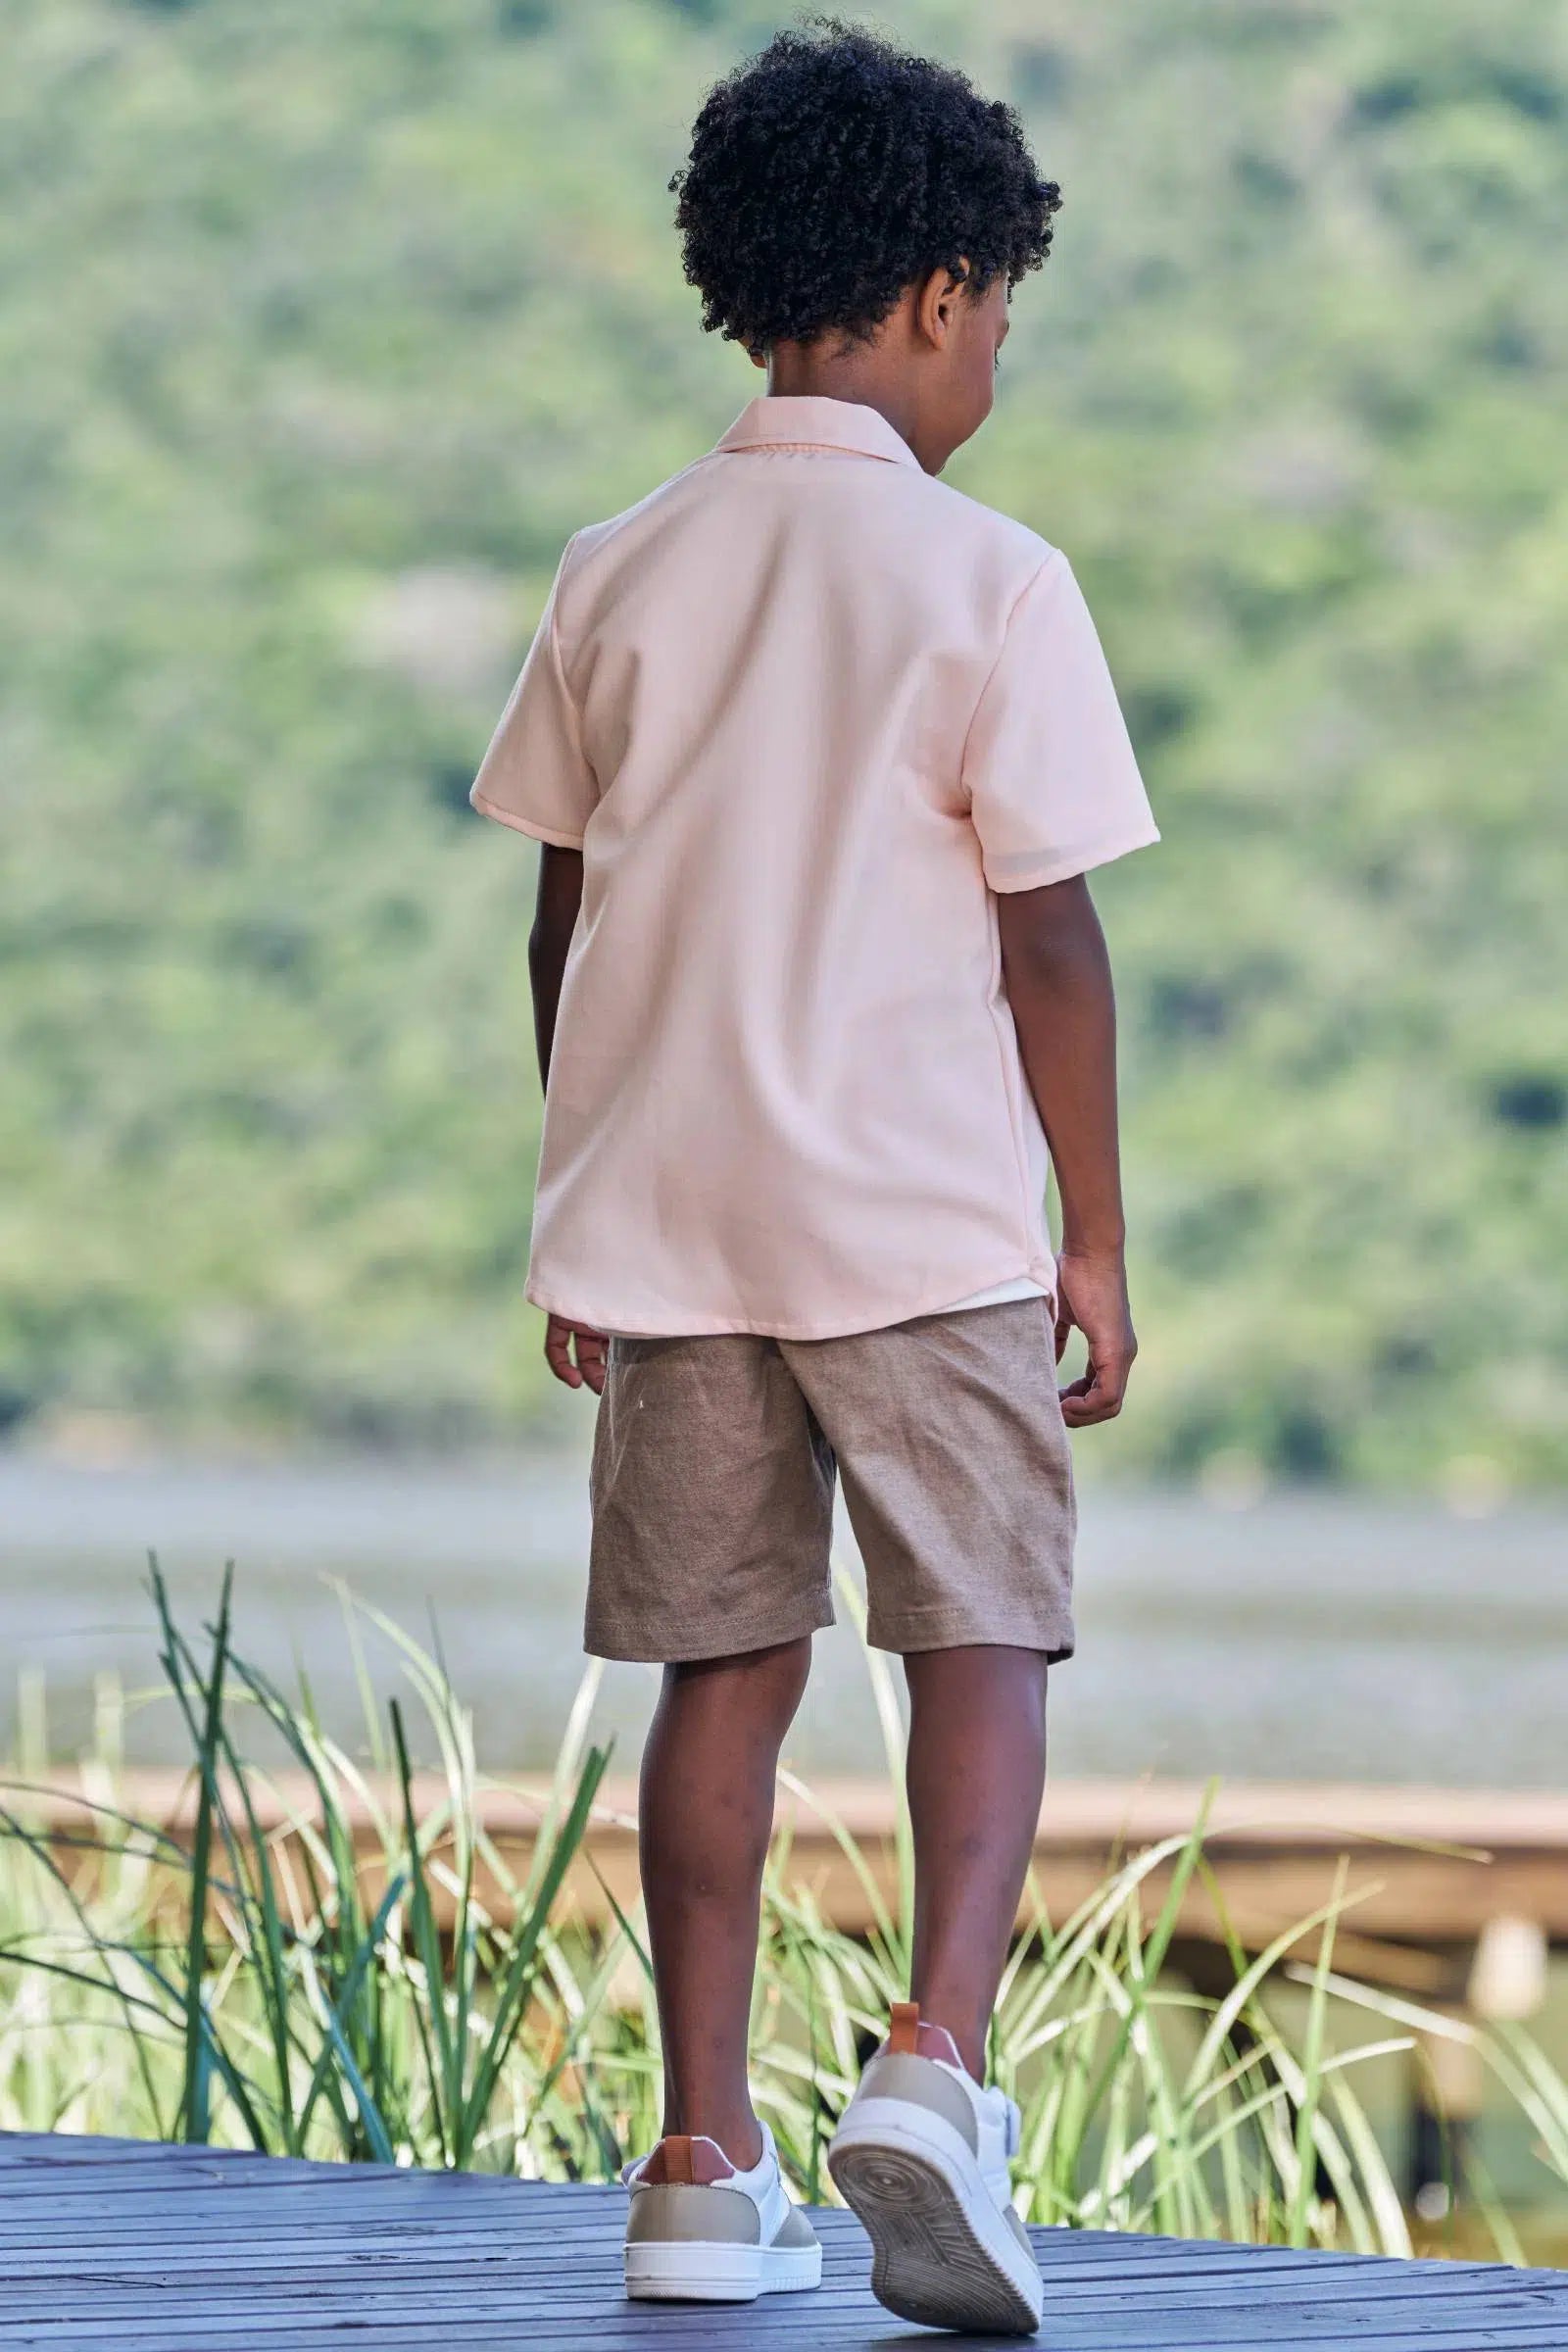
[799, 372]
[928, 368]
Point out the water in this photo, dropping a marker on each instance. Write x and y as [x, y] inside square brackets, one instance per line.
[1304, 1637]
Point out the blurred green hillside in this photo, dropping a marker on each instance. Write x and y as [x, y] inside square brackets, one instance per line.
[324, 326]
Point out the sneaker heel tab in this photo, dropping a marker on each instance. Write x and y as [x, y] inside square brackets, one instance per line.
[903, 2026]
[675, 2161]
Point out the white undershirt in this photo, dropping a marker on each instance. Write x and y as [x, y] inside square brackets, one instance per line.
[1001, 1294]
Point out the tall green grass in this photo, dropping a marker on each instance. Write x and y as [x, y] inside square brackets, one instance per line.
[275, 2005]
[274, 1991]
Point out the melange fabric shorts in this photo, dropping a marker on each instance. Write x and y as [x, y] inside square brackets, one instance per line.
[714, 1470]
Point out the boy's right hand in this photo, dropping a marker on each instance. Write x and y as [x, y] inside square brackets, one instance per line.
[592, 1353]
[1092, 1298]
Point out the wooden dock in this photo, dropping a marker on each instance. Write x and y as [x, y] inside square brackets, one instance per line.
[123, 2246]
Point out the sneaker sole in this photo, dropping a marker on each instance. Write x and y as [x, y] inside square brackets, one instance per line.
[694, 2270]
[934, 2258]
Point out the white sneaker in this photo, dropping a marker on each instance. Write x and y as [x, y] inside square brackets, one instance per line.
[702, 2231]
[921, 2156]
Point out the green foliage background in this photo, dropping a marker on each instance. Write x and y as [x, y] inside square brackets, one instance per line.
[324, 326]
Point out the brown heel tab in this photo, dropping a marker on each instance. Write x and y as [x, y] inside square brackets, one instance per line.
[671, 2164]
[903, 2026]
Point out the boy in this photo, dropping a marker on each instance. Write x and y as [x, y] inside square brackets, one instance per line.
[819, 752]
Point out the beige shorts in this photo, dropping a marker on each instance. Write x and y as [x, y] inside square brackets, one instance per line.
[713, 1488]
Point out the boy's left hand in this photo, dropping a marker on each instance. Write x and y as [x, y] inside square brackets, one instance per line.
[564, 1340]
[1092, 1298]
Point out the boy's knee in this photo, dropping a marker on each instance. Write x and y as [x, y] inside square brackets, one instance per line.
[765, 1682]
[780, 1677]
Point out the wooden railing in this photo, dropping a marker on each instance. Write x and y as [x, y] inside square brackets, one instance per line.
[1434, 1871]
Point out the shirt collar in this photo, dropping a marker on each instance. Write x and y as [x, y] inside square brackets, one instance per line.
[796, 423]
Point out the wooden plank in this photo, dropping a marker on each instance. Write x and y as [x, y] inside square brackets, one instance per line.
[36, 2157]
[261, 2304]
[146, 2184]
[234, 2232]
[672, 2329]
[503, 2270]
[76, 2184]
[100, 2226]
[119, 2175]
[500, 2286]
[340, 2183]
[438, 2247]
[333, 2199]
[437, 2253]
[849, 2319]
[424, 2194]
[589, 2268]
[1080, 1812]
[471, 2288]
[863, 2324]
[867, 2335]
[1213, 2265]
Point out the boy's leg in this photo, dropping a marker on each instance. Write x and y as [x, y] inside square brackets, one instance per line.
[976, 1773]
[713, 1514]
[950, 1444]
[706, 1813]
[957, 1470]
[923, 2153]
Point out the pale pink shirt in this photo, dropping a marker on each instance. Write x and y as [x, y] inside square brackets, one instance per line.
[805, 710]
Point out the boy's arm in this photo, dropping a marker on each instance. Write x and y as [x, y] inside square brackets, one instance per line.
[575, 1354]
[1057, 976]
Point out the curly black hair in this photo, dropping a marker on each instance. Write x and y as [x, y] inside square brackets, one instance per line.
[832, 170]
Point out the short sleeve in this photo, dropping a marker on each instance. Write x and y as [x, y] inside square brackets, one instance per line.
[535, 776]
[1054, 786]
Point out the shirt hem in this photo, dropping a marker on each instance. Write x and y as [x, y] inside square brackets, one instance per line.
[1082, 862]
[525, 824]
[685, 1327]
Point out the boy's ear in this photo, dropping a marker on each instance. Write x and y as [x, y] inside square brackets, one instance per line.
[938, 300]
[759, 359]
